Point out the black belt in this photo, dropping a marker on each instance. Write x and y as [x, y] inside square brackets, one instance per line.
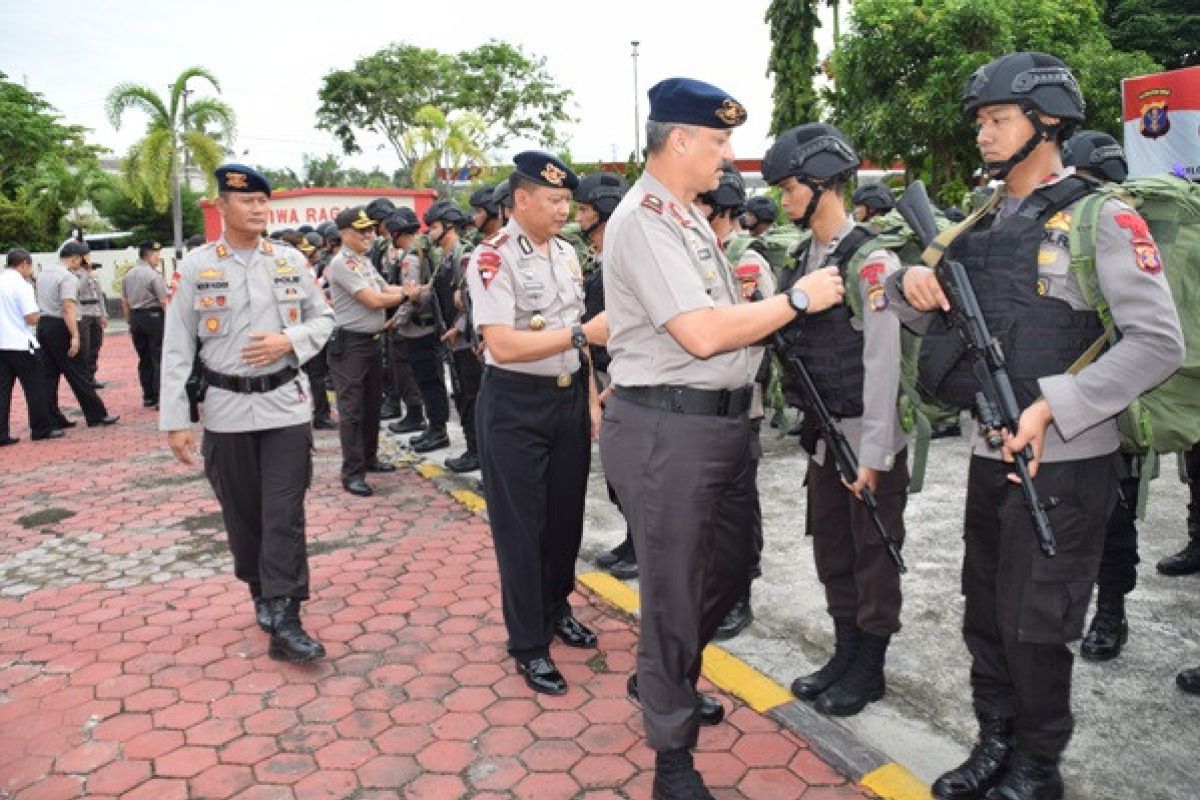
[686, 400]
[349, 334]
[250, 384]
[89, 302]
[563, 381]
[155, 310]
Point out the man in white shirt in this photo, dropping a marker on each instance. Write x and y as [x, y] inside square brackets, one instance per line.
[18, 348]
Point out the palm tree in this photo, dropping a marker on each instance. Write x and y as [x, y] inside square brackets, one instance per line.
[177, 127]
[452, 142]
[59, 188]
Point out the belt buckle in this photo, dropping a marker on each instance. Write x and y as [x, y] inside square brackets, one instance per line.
[676, 394]
[563, 380]
[245, 384]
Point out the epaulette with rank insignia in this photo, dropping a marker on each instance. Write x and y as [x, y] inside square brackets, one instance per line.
[653, 202]
[496, 239]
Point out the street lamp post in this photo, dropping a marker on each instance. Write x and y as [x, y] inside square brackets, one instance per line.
[637, 128]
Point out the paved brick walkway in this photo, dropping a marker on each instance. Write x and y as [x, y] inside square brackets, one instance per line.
[130, 664]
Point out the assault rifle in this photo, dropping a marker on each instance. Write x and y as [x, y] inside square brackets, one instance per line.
[835, 442]
[995, 403]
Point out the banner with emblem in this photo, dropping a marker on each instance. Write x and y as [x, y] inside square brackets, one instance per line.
[1162, 123]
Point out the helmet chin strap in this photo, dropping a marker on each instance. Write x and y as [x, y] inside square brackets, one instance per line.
[590, 229]
[998, 170]
[817, 190]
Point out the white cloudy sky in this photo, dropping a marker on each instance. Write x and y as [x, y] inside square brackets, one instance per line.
[270, 57]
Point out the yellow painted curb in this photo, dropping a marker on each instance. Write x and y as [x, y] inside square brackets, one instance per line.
[612, 590]
[430, 470]
[894, 782]
[470, 499]
[739, 678]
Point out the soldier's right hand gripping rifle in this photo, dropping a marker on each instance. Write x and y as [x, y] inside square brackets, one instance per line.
[836, 443]
[996, 405]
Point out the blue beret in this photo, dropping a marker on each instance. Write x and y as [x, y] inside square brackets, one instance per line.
[692, 102]
[240, 178]
[545, 169]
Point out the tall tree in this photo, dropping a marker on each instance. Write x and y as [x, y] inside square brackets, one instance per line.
[793, 61]
[60, 191]
[153, 167]
[382, 94]
[1169, 30]
[902, 67]
[323, 171]
[449, 142]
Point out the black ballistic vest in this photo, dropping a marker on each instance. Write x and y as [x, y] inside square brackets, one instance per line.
[1039, 335]
[830, 347]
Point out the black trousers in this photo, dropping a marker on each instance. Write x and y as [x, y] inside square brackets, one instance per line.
[398, 381]
[146, 331]
[534, 452]
[55, 339]
[260, 479]
[756, 525]
[470, 372]
[686, 486]
[95, 340]
[358, 383]
[861, 582]
[21, 365]
[424, 356]
[1193, 469]
[1023, 608]
[1118, 562]
[317, 368]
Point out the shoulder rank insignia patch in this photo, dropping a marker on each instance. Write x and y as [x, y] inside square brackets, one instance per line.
[173, 286]
[679, 217]
[525, 245]
[496, 239]
[652, 202]
[222, 251]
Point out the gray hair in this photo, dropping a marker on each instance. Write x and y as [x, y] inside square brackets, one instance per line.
[658, 132]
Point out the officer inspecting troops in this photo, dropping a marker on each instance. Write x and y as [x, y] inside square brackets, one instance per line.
[58, 332]
[143, 298]
[852, 353]
[535, 410]
[359, 297]
[1022, 607]
[253, 314]
[675, 440]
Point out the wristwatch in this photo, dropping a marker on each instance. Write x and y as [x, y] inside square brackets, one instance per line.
[578, 339]
[798, 300]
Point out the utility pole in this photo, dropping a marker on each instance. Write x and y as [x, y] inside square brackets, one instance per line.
[637, 128]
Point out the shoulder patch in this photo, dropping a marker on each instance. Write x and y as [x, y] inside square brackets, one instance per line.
[488, 264]
[1133, 222]
[652, 202]
[496, 239]
[877, 299]
[872, 272]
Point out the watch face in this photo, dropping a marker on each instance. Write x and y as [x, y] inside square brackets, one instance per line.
[799, 299]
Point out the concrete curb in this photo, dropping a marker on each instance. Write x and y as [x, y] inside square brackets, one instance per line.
[840, 748]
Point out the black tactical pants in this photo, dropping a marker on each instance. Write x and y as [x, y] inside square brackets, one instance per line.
[1193, 470]
[398, 382]
[358, 384]
[861, 582]
[534, 451]
[1118, 562]
[424, 356]
[1023, 608]
[260, 479]
[55, 338]
[95, 340]
[23, 366]
[317, 368]
[146, 331]
[470, 372]
[686, 486]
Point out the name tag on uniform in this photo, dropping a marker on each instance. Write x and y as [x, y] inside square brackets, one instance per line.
[205, 285]
[533, 287]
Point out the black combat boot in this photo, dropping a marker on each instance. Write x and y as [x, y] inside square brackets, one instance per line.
[413, 421]
[1189, 680]
[676, 778]
[1108, 630]
[432, 439]
[289, 642]
[1187, 560]
[845, 649]
[863, 683]
[972, 779]
[262, 613]
[1029, 777]
[389, 409]
[740, 616]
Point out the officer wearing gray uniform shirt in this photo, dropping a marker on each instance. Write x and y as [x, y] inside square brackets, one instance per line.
[360, 296]
[58, 332]
[93, 319]
[143, 298]
[532, 413]
[1022, 608]
[675, 440]
[253, 310]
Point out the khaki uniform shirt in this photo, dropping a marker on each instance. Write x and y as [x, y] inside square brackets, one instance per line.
[662, 260]
[55, 284]
[143, 287]
[219, 299]
[349, 273]
[91, 295]
[514, 284]
[1130, 273]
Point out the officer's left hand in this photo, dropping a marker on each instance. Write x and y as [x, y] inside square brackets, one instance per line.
[266, 348]
[866, 477]
[450, 335]
[597, 414]
[1031, 430]
[104, 322]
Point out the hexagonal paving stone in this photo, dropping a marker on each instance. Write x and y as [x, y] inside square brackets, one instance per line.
[451, 757]
[345, 754]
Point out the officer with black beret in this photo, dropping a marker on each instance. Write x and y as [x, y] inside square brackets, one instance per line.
[251, 312]
[535, 409]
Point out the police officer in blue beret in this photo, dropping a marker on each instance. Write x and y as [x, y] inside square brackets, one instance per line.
[535, 411]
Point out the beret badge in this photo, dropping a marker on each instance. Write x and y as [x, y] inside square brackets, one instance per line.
[235, 180]
[553, 175]
[731, 112]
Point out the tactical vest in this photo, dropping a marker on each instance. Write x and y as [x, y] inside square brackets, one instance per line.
[593, 304]
[1039, 335]
[828, 344]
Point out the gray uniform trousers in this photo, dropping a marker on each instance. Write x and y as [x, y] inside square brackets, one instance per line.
[260, 479]
[686, 486]
[1021, 607]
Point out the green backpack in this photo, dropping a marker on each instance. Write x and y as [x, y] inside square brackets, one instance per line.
[778, 245]
[1165, 419]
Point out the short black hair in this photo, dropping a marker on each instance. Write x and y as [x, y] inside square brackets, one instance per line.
[519, 181]
[17, 257]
